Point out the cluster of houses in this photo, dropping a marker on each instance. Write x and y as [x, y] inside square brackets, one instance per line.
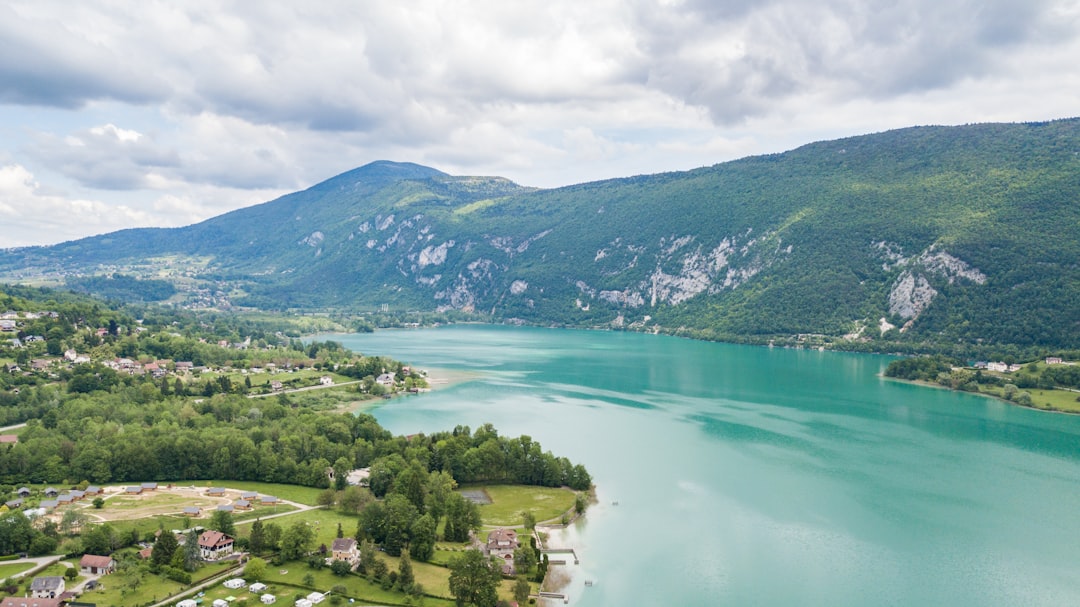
[51, 590]
[1002, 367]
[234, 584]
[501, 544]
[54, 499]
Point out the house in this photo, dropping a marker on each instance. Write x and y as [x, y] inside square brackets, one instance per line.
[51, 491]
[134, 490]
[344, 549]
[386, 379]
[249, 495]
[188, 603]
[149, 486]
[268, 500]
[19, 601]
[40, 364]
[257, 587]
[146, 553]
[316, 598]
[303, 603]
[76, 495]
[226, 508]
[97, 565]
[235, 583]
[184, 367]
[23, 492]
[13, 504]
[220, 603]
[267, 599]
[92, 490]
[9, 439]
[1015, 368]
[8, 325]
[47, 587]
[1000, 367]
[1053, 360]
[277, 386]
[502, 543]
[242, 505]
[192, 511]
[326, 380]
[48, 505]
[216, 491]
[214, 545]
[64, 499]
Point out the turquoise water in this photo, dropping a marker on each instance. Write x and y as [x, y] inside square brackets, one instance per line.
[756, 476]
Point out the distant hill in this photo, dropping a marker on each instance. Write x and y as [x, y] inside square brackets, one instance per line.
[946, 235]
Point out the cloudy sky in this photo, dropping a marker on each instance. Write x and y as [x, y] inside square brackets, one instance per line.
[126, 113]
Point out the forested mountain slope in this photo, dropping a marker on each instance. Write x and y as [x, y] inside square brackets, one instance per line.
[965, 235]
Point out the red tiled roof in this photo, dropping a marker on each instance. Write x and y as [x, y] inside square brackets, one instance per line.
[92, 560]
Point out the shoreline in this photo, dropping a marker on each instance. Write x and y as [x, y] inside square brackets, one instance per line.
[437, 378]
[930, 384]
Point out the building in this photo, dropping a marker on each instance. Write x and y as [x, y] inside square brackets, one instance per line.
[9, 439]
[502, 543]
[214, 545]
[47, 587]
[97, 565]
[344, 549]
[1053, 360]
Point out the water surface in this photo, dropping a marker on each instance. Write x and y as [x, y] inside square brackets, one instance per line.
[757, 476]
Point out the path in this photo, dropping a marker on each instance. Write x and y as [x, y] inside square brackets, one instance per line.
[318, 387]
[7, 429]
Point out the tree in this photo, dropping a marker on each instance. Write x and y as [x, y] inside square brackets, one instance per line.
[257, 538]
[99, 503]
[473, 579]
[528, 520]
[522, 590]
[255, 569]
[326, 498]
[223, 521]
[71, 573]
[353, 499]
[297, 541]
[405, 573]
[191, 551]
[368, 556]
[341, 473]
[164, 548]
[524, 558]
[340, 567]
[462, 516]
[423, 537]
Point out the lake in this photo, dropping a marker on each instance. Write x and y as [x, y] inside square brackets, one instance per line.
[756, 476]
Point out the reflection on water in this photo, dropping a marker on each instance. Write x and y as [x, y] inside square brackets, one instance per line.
[767, 476]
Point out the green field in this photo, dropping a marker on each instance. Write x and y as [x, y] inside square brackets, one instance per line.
[139, 588]
[9, 569]
[1050, 400]
[508, 502]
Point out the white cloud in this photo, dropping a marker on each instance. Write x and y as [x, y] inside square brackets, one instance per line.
[189, 105]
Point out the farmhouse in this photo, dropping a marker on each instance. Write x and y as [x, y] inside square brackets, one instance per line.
[47, 587]
[97, 565]
[502, 543]
[344, 549]
[214, 545]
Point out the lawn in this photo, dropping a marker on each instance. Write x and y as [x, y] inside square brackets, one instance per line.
[139, 588]
[359, 588]
[508, 502]
[324, 522]
[9, 569]
[1054, 400]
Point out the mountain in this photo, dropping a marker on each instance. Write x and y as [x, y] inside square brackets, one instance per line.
[961, 235]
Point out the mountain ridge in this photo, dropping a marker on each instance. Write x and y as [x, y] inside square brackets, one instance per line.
[917, 234]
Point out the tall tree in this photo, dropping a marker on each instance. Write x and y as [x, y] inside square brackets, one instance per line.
[405, 573]
[223, 521]
[297, 541]
[164, 548]
[473, 579]
[257, 537]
